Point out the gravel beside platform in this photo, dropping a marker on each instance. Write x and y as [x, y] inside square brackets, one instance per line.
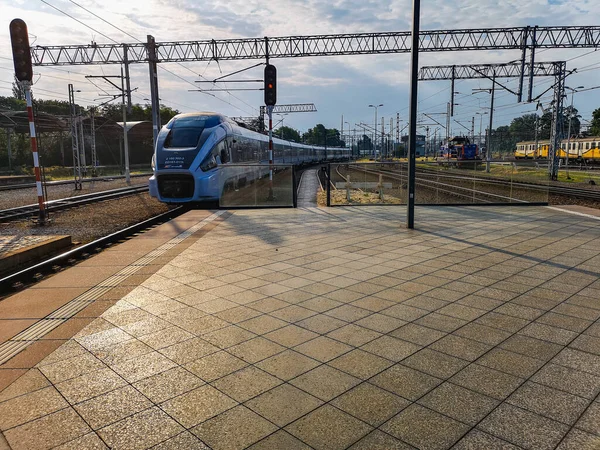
[22, 197]
[87, 223]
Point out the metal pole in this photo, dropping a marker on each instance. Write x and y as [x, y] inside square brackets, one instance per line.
[452, 91]
[74, 140]
[397, 132]
[127, 77]
[36, 160]
[375, 135]
[295, 189]
[489, 147]
[473, 129]
[412, 135]
[569, 134]
[382, 139]
[523, 55]
[447, 124]
[535, 152]
[391, 140]
[93, 142]
[328, 184]
[8, 139]
[557, 125]
[125, 137]
[531, 62]
[151, 48]
[270, 113]
[82, 145]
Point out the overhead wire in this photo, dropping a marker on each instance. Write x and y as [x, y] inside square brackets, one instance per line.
[109, 38]
[163, 68]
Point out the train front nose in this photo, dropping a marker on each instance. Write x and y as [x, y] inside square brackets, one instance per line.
[176, 186]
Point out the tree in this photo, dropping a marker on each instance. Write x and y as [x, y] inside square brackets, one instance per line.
[287, 133]
[319, 135]
[139, 112]
[523, 128]
[18, 91]
[316, 135]
[572, 113]
[546, 123]
[503, 140]
[363, 146]
[595, 124]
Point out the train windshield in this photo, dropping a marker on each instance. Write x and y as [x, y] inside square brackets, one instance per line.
[185, 132]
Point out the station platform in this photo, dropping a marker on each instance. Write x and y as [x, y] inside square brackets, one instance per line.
[315, 328]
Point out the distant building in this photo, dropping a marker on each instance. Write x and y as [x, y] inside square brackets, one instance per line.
[420, 147]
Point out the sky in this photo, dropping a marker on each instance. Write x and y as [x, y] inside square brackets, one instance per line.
[341, 87]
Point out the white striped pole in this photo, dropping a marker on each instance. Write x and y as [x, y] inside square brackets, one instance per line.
[270, 113]
[34, 150]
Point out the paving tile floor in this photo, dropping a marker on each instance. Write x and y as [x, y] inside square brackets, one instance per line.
[339, 328]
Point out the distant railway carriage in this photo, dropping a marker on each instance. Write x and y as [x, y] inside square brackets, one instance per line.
[192, 149]
[585, 149]
[461, 149]
[532, 150]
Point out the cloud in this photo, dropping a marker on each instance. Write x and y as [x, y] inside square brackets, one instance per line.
[339, 85]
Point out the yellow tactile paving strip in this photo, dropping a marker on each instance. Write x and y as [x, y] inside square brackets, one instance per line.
[339, 328]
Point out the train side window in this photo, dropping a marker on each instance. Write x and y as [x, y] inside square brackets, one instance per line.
[593, 145]
[224, 152]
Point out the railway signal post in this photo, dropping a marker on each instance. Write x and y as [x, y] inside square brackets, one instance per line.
[270, 101]
[24, 73]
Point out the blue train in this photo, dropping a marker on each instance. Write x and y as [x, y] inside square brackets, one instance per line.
[460, 148]
[192, 149]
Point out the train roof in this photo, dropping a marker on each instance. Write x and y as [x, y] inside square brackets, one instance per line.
[573, 139]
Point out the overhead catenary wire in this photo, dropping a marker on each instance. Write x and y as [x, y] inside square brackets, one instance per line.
[114, 41]
[163, 68]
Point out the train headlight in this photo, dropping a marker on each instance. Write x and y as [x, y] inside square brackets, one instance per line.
[153, 163]
[209, 163]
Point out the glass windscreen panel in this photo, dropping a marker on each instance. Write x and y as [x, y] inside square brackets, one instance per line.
[453, 182]
[185, 132]
[368, 184]
[256, 185]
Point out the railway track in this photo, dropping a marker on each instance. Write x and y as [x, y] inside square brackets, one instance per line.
[56, 205]
[568, 191]
[12, 187]
[450, 189]
[17, 279]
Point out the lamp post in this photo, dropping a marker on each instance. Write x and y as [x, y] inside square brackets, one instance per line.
[351, 139]
[480, 114]
[573, 90]
[375, 127]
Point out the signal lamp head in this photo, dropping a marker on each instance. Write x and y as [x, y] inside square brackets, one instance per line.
[21, 50]
[270, 85]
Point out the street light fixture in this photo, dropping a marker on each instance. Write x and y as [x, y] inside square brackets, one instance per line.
[351, 138]
[480, 114]
[375, 128]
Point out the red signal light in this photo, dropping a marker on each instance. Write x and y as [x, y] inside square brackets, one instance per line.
[270, 85]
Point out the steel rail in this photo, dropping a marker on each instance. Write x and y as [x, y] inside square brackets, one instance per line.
[64, 203]
[11, 281]
[446, 185]
[568, 191]
[10, 187]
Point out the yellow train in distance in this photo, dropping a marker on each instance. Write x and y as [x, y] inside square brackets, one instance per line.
[584, 149]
